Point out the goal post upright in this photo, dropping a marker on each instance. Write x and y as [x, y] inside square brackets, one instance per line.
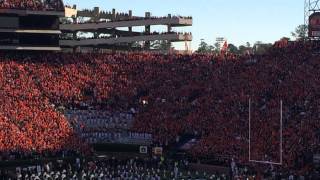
[281, 137]
[249, 129]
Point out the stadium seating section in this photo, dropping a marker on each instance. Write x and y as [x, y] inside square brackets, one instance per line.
[170, 95]
[37, 5]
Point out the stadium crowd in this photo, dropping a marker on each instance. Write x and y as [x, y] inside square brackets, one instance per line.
[126, 35]
[37, 5]
[101, 168]
[204, 94]
[118, 17]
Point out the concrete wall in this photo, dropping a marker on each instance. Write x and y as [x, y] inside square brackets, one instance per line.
[28, 12]
[35, 48]
[163, 21]
[30, 31]
[94, 42]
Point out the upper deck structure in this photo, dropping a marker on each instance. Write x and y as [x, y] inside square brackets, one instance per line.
[30, 24]
[113, 29]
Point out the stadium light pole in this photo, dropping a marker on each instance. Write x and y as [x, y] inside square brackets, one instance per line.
[306, 12]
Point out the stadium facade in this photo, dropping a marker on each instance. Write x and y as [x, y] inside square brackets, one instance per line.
[56, 28]
[20, 28]
[114, 30]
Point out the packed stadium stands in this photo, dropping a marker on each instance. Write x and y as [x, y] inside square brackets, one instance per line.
[106, 127]
[170, 95]
[113, 168]
[37, 5]
[57, 105]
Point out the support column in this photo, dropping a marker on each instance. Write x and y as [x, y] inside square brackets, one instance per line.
[130, 17]
[147, 31]
[130, 14]
[74, 20]
[113, 14]
[169, 30]
[130, 30]
[96, 14]
[74, 37]
[96, 35]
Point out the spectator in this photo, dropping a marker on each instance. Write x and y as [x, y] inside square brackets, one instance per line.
[171, 95]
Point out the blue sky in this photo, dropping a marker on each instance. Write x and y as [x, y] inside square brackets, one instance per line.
[239, 21]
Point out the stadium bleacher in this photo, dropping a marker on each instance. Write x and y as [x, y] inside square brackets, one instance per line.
[55, 105]
[37, 5]
[171, 95]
